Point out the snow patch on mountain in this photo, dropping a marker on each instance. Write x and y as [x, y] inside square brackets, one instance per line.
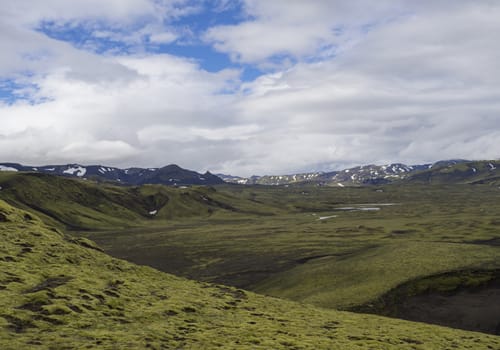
[78, 171]
[7, 168]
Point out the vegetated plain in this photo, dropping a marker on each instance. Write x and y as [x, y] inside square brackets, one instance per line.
[337, 248]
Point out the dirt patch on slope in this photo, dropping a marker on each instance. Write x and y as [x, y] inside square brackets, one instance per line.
[470, 310]
[467, 300]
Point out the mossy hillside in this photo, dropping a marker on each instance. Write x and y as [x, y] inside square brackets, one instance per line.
[350, 258]
[198, 201]
[80, 204]
[61, 295]
[72, 203]
[344, 282]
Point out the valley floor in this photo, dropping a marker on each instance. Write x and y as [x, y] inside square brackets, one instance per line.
[348, 260]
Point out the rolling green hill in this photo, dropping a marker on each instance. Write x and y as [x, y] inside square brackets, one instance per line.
[82, 205]
[62, 293]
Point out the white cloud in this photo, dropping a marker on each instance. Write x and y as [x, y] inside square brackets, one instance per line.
[130, 22]
[421, 84]
[163, 38]
[96, 120]
[416, 89]
[298, 28]
[97, 150]
[154, 133]
[120, 12]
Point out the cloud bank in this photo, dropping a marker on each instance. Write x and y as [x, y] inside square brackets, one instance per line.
[341, 83]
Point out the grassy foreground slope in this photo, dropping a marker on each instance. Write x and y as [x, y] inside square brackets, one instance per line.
[62, 293]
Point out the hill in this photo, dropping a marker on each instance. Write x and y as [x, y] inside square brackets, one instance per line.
[79, 204]
[61, 292]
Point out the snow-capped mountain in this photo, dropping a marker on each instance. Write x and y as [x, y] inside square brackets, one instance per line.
[270, 179]
[360, 175]
[168, 175]
[448, 171]
[372, 174]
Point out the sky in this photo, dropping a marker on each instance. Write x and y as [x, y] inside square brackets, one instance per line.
[249, 87]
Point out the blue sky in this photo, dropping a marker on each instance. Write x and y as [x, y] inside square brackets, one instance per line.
[6, 90]
[189, 29]
[189, 44]
[250, 86]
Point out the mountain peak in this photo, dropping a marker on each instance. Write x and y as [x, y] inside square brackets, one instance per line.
[172, 167]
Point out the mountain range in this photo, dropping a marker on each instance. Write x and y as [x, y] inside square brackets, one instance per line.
[445, 171]
[453, 171]
[169, 175]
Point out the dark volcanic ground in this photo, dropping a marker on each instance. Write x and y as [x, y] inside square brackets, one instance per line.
[473, 306]
[476, 310]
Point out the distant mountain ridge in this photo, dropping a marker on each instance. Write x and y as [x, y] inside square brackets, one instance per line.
[471, 172]
[172, 175]
[464, 171]
[445, 171]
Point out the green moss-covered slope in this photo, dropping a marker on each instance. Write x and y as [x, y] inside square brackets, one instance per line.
[78, 204]
[63, 293]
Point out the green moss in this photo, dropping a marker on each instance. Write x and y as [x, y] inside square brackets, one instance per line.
[56, 309]
[265, 239]
[156, 310]
[285, 251]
